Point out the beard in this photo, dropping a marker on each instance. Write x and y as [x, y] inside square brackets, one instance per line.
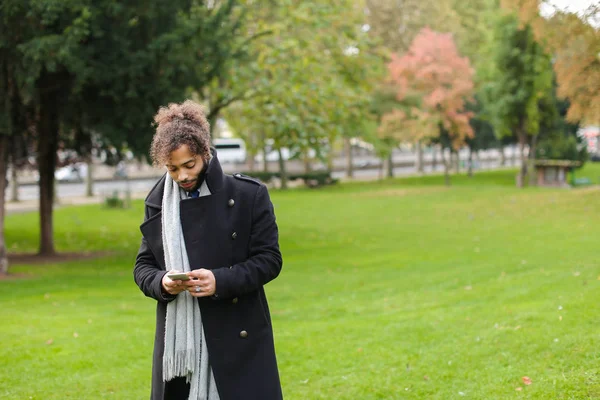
[197, 180]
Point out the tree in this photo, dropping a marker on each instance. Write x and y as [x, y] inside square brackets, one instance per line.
[106, 67]
[396, 23]
[577, 64]
[521, 79]
[305, 78]
[574, 41]
[4, 142]
[12, 120]
[433, 83]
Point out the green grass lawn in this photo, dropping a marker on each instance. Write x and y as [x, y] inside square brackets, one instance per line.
[399, 289]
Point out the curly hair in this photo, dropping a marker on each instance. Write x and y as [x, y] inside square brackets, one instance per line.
[177, 125]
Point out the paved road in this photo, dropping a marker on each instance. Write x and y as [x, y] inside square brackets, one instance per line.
[105, 188]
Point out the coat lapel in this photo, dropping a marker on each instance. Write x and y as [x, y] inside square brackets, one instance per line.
[196, 215]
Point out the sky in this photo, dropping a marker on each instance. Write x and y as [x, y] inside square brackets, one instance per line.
[576, 6]
[572, 5]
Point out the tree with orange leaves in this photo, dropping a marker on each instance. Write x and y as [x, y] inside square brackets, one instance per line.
[577, 65]
[432, 82]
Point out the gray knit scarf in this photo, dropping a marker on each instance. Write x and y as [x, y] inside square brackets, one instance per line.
[185, 353]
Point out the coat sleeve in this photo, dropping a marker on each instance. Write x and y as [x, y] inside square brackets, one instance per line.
[264, 262]
[148, 274]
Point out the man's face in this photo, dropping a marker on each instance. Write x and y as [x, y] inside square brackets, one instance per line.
[185, 167]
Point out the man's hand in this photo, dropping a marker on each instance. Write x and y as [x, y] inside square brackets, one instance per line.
[202, 284]
[173, 287]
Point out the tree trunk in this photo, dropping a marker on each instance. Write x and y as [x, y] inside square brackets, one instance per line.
[349, 158]
[502, 156]
[455, 161]
[330, 157]
[531, 161]
[3, 170]
[514, 156]
[419, 159]
[282, 171]
[47, 127]
[14, 183]
[89, 178]
[390, 165]
[446, 163]
[470, 163]
[251, 163]
[265, 162]
[521, 180]
[330, 153]
[306, 161]
[433, 158]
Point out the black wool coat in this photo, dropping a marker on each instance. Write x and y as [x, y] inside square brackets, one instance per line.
[232, 232]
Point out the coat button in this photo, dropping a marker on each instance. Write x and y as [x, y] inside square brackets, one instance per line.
[231, 202]
[243, 334]
[234, 235]
[235, 300]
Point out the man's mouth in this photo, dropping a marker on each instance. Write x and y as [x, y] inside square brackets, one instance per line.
[187, 185]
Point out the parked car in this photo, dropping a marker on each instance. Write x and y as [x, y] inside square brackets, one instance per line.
[71, 173]
[230, 150]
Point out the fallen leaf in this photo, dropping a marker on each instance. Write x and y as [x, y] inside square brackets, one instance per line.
[359, 350]
[75, 334]
[527, 380]
[560, 317]
[426, 378]
[49, 341]
[468, 287]
[518, 389]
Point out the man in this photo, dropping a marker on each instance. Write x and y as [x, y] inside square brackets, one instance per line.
[214, 338]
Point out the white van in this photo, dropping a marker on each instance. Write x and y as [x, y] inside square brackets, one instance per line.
[230, 150]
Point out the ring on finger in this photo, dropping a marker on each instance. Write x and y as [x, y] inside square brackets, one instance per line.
[197, 289]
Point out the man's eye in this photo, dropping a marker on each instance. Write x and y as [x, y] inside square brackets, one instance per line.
[190, 166]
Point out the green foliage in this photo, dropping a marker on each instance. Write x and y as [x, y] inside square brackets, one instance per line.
[310, 76]
[465, 295]
[520, 79]
[485, 137]
[558, 139]
[561, 147]
[110, 64]
[118, 200]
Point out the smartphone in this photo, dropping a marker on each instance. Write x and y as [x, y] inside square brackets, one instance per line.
[179, 276]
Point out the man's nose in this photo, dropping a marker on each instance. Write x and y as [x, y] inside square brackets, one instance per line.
[183, 176]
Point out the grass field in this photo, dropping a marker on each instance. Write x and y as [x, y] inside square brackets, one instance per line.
[399, 289]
